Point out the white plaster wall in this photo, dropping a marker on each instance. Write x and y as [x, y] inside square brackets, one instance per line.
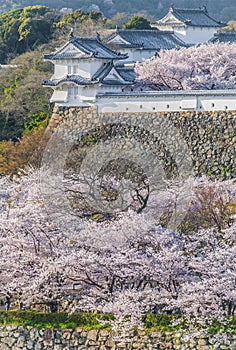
[142, 55]
[84, 68]
[60, 69]
[137, 55]
[160, 103]
[107, 88]
[83, 96]
[224, 103]
[195, 35]
[112, 99]
[87, 68]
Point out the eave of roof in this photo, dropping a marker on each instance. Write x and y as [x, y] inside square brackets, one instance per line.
[147, 39]
[224, 37]
[191, 17]
[78, 80]
[90, 46]
[103, 71]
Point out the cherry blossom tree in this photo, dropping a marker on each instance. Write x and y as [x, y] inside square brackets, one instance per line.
[208, 66]
[153, 270]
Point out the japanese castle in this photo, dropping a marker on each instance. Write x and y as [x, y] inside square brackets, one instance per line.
[85, 67]
[88, 72]
[193, 26]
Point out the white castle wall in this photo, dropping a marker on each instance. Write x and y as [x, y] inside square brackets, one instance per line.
[160, 101]
[195, 35]
[84, 68]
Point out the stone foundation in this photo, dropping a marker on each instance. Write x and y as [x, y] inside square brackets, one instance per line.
[28, 338]
[210, 136]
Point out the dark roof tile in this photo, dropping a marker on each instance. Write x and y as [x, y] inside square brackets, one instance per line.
[90, 46]
[69, 78]
[226, 37]
[127, 73]
[147, 39]
[193, 17]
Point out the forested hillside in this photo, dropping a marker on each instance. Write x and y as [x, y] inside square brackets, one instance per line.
[222, 9]
[25, 35]
[26, 28]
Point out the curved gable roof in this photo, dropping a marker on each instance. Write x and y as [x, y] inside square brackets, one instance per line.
[85, 47]
[146, 39]
[192, 17]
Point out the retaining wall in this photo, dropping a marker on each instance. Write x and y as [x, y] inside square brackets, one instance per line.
[210, 136]
[28, 338]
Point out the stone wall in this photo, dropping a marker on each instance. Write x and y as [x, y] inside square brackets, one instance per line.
[210, 136]
[28, 338]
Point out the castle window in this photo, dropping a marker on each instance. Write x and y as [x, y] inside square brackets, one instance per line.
[76, 90]
[212, 105]
[167, 106]
[73, 91]
[72, 69]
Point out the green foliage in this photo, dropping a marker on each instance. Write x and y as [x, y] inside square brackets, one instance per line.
[8, 91]
[228, 327]
[161, 322]
[53, 320]
[156, 322]
[152, 322]
[23, 100]
[33, 11]
[78, 17]
[36, 120]
[72, 18]
[23, 29]
[137, 22]
[93, 137]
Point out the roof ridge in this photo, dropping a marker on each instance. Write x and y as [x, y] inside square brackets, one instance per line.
[154, 31]
[229, 32]
[85, 38]
[105, 69]
[140, 30]
[198, 9]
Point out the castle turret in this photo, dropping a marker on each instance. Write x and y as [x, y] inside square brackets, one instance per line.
[84, 67]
